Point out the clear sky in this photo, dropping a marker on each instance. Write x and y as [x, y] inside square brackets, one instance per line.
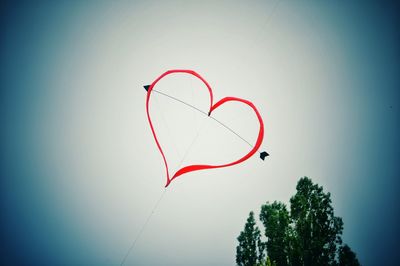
[80, 171]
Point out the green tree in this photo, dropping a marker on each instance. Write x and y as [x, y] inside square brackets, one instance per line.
[318, 231]
[309, 234]
[268, 262]
[275, 219]
[347, 257]
[250, 251]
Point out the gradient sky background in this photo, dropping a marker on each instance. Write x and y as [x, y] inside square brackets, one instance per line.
[80, 171]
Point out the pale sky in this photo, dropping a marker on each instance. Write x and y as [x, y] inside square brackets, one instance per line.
[81, 171]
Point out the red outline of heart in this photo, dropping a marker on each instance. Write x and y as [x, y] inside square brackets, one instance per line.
[192, 168]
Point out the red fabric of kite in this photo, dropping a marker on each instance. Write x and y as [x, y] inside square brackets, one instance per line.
[213, 107]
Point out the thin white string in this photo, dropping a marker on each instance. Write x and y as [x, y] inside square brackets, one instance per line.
[143, 227]
[262, 26]
[161, 197]
[168, 129]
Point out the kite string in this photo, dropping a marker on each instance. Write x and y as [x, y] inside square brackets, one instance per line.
[143, 227]
[168, 129]
[191, 144]
[261, 27]
[161, 197]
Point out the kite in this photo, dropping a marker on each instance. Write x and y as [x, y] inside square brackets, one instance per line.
[213, 108]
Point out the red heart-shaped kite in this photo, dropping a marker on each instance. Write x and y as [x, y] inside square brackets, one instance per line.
[191, 168]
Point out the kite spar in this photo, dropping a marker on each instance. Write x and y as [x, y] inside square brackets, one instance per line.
[213, 107]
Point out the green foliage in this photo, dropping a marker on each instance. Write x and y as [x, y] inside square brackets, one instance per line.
[269, 263]
[310, 234]
[317, 230]
[347, 257]
[250, 251]
[275, 219]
